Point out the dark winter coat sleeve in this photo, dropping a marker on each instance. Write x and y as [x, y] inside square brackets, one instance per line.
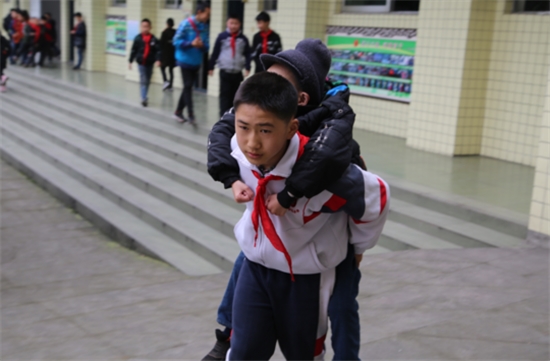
[135, 48]
[328, 152]
[222, 167]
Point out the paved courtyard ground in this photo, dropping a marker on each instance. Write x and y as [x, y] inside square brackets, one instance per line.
[69, 293]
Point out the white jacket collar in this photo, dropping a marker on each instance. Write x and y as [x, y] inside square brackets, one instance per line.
[283, 168]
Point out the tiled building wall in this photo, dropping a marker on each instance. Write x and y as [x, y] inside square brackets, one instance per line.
[516, 86]
[540, 206]
[117, 63]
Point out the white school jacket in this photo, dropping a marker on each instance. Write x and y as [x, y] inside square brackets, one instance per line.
[313, 234]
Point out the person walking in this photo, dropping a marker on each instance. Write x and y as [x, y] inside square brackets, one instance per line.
[79, 39]
[191, 43]
[146, 52]
[266, 41]
[167, 54]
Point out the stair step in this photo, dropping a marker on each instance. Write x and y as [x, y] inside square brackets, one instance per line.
[414, 238]
[153, 123]
[205, 209]
[186, 175]
[205, 241]
[109, 217]
[455, 230]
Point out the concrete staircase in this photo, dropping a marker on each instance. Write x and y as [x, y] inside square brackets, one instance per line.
[141, 178]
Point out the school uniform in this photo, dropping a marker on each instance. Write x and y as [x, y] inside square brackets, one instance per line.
[79, 42]
[287, 278]
[231, 54]
[265, 42]
[145, 51]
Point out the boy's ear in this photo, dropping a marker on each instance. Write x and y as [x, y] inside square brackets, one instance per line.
[303, 98]
[293, 127]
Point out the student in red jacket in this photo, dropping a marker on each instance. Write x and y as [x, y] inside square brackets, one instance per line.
[146, 52]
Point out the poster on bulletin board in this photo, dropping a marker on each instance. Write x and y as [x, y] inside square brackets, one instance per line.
[377, 62]
[116, 35]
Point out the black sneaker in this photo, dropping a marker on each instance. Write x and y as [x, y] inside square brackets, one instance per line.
[220, 348]
[179, 117]
[192, 121]
[144, 102]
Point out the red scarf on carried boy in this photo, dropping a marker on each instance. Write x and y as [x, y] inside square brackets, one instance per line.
[146, 38]
[264, 35]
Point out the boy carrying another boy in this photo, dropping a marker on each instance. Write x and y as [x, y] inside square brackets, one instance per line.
[232, 54]
[325, 116]
[288, 275]
[146, 52]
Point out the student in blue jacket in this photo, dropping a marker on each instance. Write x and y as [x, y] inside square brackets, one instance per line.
[191, 42]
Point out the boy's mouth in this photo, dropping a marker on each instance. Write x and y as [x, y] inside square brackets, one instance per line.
[254, 155]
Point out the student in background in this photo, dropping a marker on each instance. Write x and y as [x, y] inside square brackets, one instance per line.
[191, 42]
[79, 38]
[232, 55]
[146, 52]
[167, 54]
[266, 41]
[4, 52]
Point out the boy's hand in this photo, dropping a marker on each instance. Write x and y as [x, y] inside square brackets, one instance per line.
[210, 72]
[358, 259]
[197, 43]
[241, 192]
[157, 63]
[246, 73]
[274, 206]
[130, 66]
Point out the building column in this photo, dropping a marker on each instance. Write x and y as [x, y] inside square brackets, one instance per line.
[450, 76]
[64, 30]
[136, 10]
[539, 220]
[218, 17]
[93, 13]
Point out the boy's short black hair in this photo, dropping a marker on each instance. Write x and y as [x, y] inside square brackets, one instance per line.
[25, 15]
[145, 20]
[202, 6]
[170, 22]
[234, 16]
[263, 16]
[78, 15]
[270, 92]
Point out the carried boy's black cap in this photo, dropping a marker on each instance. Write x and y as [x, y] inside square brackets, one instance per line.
[310, 61]
[263, 16]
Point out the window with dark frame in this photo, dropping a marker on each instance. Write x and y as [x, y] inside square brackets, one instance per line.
[270, 5]
[118, 2]
[531, 6]
[381, 6]
[173, 4]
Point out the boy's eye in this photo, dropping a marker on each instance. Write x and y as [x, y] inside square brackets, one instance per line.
[243, 127]
[265, 131]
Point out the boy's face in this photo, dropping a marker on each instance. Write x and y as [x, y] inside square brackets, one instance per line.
[261, 136]
[263, 25]
[145, 27]
[233, 25]
[78, 19]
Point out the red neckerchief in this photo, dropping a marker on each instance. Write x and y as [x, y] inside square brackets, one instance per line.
[264, 35]
[146, 38]
[233, 42]
[260, 211]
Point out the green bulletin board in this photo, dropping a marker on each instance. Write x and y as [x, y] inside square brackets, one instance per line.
[375, 66]
[116, 35]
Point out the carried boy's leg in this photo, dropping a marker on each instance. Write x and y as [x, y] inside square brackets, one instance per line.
[254, 333]
[225, 311]
[343, 310]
